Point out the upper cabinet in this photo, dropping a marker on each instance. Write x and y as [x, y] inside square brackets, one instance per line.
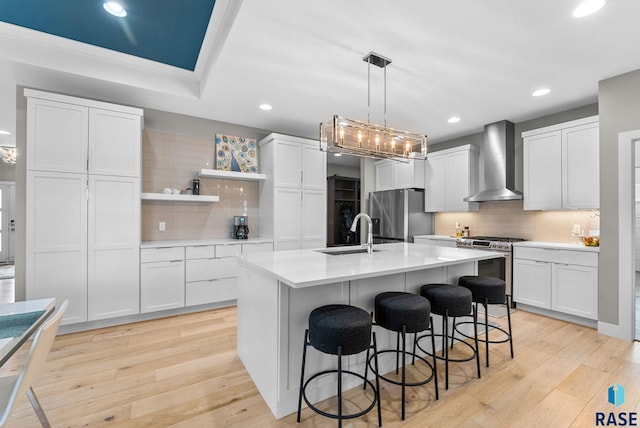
[83, 205]
[66, 136]
[450, 176]
[561, 166]
[390, 174]
[293, 198]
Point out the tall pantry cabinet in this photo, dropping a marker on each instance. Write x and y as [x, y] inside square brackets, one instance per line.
[83, 205]
[293, 198]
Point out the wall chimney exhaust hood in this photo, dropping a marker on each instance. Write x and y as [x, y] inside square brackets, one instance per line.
[499, 164]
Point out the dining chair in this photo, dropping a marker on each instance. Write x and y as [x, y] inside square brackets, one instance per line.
[13, 387]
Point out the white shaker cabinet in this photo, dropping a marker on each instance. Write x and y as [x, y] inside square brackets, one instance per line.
[162, 271]
[56, 238]
[95, 146]
[293, 198]
[212, 274]
[561, 166]
[560, 280]
[113, 286]
[450, 176]
[391, 174]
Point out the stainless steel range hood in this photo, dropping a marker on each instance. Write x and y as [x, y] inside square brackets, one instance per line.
[499, 164]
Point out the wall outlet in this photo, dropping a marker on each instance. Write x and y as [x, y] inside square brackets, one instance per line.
[162, 226]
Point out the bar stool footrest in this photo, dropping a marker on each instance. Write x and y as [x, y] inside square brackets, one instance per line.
[442, 358]
[408, 354]
[495, 326]
[333, 415]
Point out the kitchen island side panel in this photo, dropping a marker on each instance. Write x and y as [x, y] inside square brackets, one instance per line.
[258, 339]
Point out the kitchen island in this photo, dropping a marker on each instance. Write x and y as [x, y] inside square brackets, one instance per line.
[278, 290]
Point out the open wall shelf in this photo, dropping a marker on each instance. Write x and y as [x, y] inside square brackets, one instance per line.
[178, 198]
[232, 175]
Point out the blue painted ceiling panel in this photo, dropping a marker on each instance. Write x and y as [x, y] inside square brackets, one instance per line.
[166, 31]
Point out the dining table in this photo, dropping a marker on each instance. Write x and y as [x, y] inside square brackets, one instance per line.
[19, 321]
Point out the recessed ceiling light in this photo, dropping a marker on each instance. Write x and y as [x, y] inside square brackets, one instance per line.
[588, 7]
[540, 92]
[3, 132]
[115, 9]
[337, 154]
[454, 119]
[266, 107]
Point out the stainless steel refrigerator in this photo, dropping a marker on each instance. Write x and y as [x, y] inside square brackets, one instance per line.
[398, 215]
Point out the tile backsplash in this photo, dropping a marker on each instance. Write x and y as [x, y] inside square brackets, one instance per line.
[170, 160]
[509, 219]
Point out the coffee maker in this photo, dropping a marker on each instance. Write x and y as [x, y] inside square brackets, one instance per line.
[240, 227]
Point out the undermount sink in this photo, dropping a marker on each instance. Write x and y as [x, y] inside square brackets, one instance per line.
[342, 252]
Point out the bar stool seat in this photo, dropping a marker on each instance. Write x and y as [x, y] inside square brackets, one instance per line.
[450, 301]
[405, 313]
[487, 291]
[339, 330]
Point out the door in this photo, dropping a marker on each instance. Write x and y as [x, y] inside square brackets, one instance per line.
[435, 184]
[542, 169]
[314, 214]
[57, 136]
[113, 241]
[7, 222]
[580, 172]
[532, 283]
[314, 167]
[287, 218]
[56, 239]
[114, 143]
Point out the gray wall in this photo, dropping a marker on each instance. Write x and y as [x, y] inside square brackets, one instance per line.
[619, 101]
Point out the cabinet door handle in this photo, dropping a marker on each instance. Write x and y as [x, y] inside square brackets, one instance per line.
[302, 177]
[175, 261]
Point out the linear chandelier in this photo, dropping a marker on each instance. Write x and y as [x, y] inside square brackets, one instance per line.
[342, 135]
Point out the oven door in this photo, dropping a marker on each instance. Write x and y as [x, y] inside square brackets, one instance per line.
[492, 267]
[498, 268]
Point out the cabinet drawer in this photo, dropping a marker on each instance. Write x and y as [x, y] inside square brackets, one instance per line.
[217, 290]
[201, 252]
[229, 250]
[161, 254]
[257, 248]
[205, 269]
[583, 258]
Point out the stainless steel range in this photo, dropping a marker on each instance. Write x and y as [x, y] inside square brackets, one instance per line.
[498, 268]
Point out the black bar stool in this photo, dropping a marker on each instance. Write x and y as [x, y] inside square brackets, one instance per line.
[451, 301]
[487, 291]
[404, 313]
[339, 330]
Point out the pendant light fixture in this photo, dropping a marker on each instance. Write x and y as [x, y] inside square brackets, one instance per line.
[342, 135]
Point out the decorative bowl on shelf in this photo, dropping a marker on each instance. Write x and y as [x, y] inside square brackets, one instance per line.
[590, 241]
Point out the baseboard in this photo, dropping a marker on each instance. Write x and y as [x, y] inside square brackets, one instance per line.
[612, 330]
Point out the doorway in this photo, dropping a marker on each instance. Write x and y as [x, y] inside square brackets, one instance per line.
[627, 312]
[7, 221]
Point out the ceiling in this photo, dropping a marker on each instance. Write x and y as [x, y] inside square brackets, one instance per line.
[477, 60]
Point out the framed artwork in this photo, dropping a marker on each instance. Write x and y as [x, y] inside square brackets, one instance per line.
[236, 153]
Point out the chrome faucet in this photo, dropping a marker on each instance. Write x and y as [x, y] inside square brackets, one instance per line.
[369, 244]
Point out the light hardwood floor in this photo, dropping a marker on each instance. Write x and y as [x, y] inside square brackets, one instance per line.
[184, 372]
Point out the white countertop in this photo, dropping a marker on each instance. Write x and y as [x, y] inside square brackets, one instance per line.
[194, 242]
[438, 237]
[306, 268]
[557, 246]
